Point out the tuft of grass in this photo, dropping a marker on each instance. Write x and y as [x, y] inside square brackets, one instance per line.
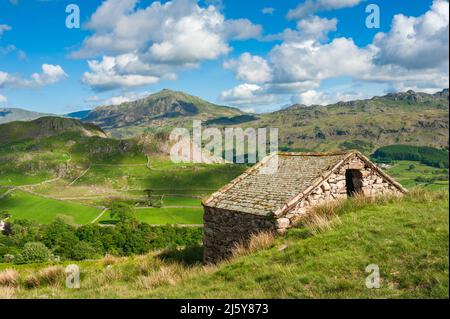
[7, 292]
[166, 275]
[9, 278]
[32, 281]
[109, 260]
[262, 240]
[52, 275]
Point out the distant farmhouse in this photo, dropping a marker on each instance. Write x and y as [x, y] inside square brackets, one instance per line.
[260, 201]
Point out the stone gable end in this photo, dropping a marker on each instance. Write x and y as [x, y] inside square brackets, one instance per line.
[334, 187]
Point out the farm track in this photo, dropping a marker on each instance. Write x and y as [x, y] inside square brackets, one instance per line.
[82, 174]
[100, 215]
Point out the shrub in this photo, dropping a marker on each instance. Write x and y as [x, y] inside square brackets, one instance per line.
[83, 250]
[33, 253]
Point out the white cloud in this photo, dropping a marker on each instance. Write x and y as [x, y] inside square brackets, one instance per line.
[115, 72]
[416, 42]
[164, 37]
[414, 54]
[3, 28]
[3, 99]
[312, 6]
[313, 97]
[269, 11]
[50, 74]
[316, 27]
[250, 68]
[245, 95]
[95, 100]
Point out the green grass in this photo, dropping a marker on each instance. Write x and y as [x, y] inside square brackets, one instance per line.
[164, 216]
[22, 205]
[181, 201]
[169, 178]
[407, 238]
[401, 171]
[20, 179]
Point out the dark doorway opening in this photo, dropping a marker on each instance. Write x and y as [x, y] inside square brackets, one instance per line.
[353, 179]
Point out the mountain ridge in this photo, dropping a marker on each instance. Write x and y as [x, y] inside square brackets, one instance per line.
[164, 105]
[45, 127]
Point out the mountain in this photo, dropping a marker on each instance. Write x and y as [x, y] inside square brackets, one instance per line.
[165, 108]
[397, 118]
[15, 114]
[45, 127]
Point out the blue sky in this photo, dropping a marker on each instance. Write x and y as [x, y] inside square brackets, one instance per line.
[258, 55]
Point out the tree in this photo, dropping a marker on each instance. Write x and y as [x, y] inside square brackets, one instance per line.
[123, 212]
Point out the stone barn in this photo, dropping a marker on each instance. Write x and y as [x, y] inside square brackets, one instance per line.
[263, 200]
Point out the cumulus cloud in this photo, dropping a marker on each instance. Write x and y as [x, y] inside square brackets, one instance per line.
[312, 6]
[164, 37]
[115, 72]
[50, 74]
[412, 55]
[313, 97]
[245, 95]
[416, 42]
[250, 68]
[3, 99]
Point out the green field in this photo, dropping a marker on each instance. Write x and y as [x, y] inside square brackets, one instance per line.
[22, 205]
[407, 238]
[165, 216]
[20, 179]
[181, 201]
[406, 173]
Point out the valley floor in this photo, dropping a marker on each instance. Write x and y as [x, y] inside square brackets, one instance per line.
[407, 239]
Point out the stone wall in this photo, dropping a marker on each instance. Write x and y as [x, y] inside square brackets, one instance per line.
[224, 229]
[334, 187]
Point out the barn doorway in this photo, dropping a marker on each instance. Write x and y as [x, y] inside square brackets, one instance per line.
[353, 179]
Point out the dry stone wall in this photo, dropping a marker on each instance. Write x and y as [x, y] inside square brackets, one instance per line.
[224, 229]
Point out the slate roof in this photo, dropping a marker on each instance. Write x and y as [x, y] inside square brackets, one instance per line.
[262, 194]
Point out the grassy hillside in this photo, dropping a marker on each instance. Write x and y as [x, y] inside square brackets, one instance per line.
[411, 174]
[22, 205]
[71, 173]
[45, 127]
[403, 118]
[407, 238]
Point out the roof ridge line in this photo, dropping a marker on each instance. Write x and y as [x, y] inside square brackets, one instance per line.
[337, 153]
